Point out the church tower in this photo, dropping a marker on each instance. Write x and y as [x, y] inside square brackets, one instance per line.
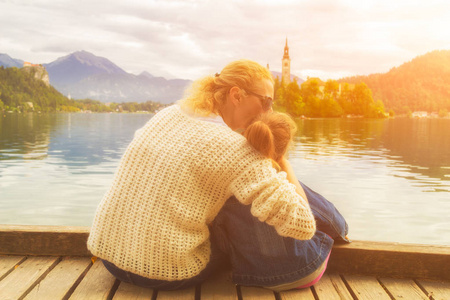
[286, 66]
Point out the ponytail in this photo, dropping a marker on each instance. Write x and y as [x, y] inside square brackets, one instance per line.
[271, 134]
[261, 138]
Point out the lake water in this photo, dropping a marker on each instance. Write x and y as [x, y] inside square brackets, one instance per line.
[389, 178]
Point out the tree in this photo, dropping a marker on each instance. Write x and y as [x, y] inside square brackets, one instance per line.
[332, 88]
[330, 108]
[310, 91]
[293, 100]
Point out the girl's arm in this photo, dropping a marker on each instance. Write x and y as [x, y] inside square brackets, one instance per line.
[286, 167]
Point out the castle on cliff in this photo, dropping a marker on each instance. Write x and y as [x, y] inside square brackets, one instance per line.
[39, 72]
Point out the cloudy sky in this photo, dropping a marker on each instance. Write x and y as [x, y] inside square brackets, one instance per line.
[192, 38]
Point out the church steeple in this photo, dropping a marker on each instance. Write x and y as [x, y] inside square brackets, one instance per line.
[286, 66]
[286, 50]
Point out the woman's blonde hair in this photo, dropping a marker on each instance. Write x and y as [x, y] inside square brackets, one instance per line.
[271, 134]
[208, 94]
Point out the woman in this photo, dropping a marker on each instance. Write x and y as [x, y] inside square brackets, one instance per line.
[152, 227]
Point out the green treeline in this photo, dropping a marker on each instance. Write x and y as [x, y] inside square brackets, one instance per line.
[20, 91]
[423, 84]
[331, 99]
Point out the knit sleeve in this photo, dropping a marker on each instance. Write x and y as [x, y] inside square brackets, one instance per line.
[274, 200]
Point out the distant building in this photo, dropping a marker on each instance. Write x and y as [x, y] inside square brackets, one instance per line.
[40, 72]
[286, 66]
[28, 64]
[420, 114]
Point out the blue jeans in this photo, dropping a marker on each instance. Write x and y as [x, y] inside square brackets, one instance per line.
[257, 255]
[261, 257]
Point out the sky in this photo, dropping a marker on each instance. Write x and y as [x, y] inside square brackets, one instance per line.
[188, 39]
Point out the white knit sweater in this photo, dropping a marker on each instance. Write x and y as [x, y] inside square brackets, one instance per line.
[172, 181]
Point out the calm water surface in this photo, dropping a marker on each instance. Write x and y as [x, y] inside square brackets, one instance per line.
[389, 178]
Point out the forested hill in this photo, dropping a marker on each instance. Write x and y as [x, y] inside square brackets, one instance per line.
[421, 84]
[19, 88]
[21, 91]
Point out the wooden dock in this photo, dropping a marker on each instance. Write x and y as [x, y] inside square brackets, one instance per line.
[53, 263]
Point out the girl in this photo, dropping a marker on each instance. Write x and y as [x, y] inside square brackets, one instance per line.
[272, 135]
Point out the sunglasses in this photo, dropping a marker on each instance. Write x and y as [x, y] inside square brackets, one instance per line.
[266, 100]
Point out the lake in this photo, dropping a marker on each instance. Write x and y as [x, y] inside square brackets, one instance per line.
[389, 178]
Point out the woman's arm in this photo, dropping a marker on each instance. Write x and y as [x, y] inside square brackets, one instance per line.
[286, 167]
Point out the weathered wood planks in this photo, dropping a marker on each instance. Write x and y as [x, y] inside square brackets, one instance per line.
[26, 276]
[403, 289]
[127, 291]
[439, 290]
[305, 294]
[332, 287]
[96, 285]
[61, 280]
[76, 278]
[43, 240]
[256, 293]
[366, 287]
[8, 263]
[391, 260]
[188, 294]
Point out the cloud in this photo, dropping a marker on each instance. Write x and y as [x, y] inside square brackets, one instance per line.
[188, 39]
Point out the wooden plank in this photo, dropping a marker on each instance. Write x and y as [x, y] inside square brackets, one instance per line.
[25, 277]
[439, 290]
[403, 288]
[128, 291]
[61, 280]
[44, 240]
[391, 260]
[97, 284]
[331, 287]
[7, 264]
[256, 293]
[304, 294]
[366, 287]
[187, 294]
[219, 287]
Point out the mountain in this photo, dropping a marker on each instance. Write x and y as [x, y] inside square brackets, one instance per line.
[9, 62]
[146, 74]
[79, 65]
[420, 84]
[84, 75]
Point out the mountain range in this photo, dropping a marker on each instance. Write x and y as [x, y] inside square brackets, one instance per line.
[82, 75]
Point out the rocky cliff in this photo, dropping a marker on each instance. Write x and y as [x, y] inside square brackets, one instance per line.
[39, 73]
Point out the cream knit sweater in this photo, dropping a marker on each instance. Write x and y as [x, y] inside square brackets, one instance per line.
[172, 181]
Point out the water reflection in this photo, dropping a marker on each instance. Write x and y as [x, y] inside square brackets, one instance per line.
[380, 175]
[418, 150]
[55, 168]
[390, 178]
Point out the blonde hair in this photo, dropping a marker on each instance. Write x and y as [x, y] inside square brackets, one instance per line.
[208, 94]
[271, 134]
